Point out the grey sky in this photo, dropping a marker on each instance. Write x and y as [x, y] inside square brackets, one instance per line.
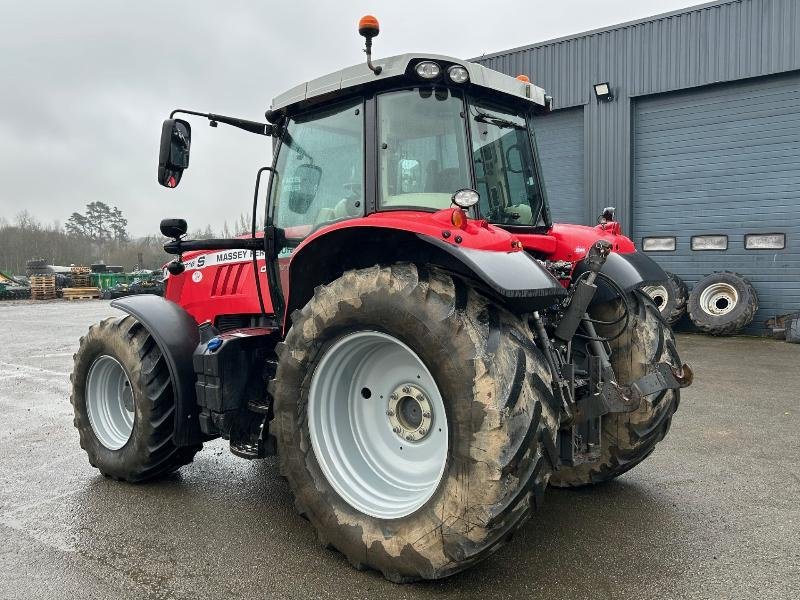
[84, 85]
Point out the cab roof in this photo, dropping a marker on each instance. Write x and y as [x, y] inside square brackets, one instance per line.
[395, 67]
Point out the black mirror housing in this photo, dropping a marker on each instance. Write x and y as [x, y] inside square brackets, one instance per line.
[173, 228]
[173, 155]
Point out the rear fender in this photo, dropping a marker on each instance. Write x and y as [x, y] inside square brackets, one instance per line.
[176, 334]
[629, 271]
[513, 277]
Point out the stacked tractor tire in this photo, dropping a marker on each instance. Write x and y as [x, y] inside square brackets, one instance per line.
[722, 303]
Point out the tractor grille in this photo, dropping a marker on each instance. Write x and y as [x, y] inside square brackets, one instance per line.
[229, 279]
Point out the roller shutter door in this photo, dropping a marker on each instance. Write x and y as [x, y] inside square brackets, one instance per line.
[724, 160]
[559, 138]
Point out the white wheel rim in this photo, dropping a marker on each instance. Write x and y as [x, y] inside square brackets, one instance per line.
[373, 441]
[719, 299]
[659, 295]
[109, 402]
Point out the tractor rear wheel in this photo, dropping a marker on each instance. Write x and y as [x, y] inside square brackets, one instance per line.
[123, 403]
[628, 438]
[415, 421]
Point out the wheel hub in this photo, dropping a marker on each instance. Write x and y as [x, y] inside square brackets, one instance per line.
[659, 294]
[109, 402]
[410, 412]
[719, 299]
[377, 424]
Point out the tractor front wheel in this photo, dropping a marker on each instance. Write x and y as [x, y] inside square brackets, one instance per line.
[123, 403]
[415, 421]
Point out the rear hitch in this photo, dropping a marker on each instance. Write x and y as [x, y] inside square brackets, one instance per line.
[664, 377]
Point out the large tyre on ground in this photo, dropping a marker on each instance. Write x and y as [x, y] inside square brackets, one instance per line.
[123, 403]
[415, 421]
[722, 303]
[629, 438]
[670, 297]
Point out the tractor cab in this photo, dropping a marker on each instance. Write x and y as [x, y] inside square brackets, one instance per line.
[407, 139]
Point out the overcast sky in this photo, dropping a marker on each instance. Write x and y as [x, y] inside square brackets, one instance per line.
[85, 85]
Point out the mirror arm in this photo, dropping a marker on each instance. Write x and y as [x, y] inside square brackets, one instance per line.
[178, 247]
[251, 126]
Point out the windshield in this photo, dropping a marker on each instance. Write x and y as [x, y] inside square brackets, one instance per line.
[505, 170]
[422, 146]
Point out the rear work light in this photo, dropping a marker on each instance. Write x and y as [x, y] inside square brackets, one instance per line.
[428, 69]
[457, 74]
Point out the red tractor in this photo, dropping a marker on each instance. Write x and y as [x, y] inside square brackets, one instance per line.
[420, 345]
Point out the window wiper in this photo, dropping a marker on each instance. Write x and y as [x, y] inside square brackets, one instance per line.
[496, 121]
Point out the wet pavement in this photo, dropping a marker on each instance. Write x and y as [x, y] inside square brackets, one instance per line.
[713, 513]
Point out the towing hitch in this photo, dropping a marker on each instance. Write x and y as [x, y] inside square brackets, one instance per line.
[664, 377]
[610, 397]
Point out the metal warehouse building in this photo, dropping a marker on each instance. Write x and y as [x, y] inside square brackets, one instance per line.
[697, 145]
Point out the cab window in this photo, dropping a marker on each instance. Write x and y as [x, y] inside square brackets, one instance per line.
[320, 171]
[422, 148]
[505, 169]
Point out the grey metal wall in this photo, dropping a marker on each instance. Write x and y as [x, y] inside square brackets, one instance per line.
[717, 42]
[559, 139]
[723, 160]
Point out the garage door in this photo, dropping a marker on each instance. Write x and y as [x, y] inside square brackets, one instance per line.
[724, 161]
[559, 138]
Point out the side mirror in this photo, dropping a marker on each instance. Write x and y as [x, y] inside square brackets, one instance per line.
[173, 228]
[608, 215]
[304, 184]
[173, 156]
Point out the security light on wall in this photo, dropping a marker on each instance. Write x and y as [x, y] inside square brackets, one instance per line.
[603, 92]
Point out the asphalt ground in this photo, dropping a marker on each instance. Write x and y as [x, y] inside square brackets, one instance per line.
[713, 513]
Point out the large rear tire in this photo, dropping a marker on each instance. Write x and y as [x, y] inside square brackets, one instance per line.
[488, 444]
[629, 438]
[123, 403]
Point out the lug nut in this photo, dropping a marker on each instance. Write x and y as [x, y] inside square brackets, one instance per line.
[410, 438]
[396, 429]
[426, 415]
[423, 431]
[393, 397]
[406, 389]
[390, 413]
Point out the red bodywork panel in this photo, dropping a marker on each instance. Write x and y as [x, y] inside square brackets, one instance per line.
[217, 283]
[222, 283]
[572, 242]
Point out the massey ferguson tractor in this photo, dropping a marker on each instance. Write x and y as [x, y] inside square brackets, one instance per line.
[406, 328]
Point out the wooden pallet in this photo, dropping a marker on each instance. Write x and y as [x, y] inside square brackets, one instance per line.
[81, 277]
[84, 293]
[81, 281]
[43, 287]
